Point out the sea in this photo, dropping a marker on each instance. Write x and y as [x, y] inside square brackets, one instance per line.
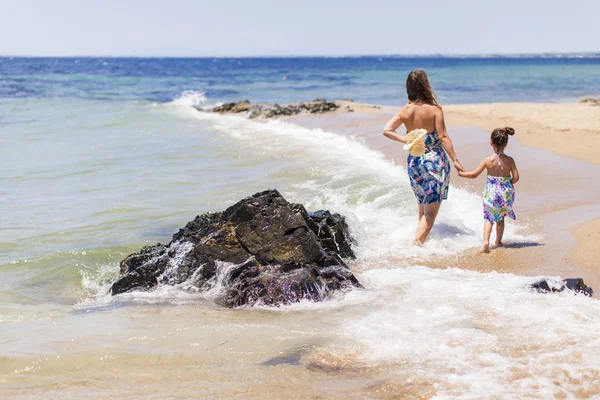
[100, 156]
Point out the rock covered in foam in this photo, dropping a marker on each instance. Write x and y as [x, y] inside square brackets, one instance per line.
[261, 249]
[576, 285]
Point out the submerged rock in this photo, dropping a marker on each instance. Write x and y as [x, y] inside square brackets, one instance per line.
[317, 106]
[574, 284]
[261, 249]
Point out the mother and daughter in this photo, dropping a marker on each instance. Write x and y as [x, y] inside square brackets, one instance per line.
[429, 173]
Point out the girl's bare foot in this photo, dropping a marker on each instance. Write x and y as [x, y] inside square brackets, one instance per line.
[499, 244]
[418, 243]
[486, 247]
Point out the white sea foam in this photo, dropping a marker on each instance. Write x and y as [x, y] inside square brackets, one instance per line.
[190, 98]
[97, 285]
[97, 292]
[479, 334]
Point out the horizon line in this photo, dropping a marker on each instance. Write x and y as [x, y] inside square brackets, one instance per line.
[429, 55]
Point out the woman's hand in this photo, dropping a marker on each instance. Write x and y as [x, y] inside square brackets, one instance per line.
[458, 166]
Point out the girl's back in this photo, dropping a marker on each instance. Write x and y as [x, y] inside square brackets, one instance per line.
[499, 165]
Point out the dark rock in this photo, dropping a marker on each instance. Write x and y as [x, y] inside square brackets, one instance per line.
[318, 106]
[574, 284]
[241, 106]
[592, 101]
[332, 231]
[261, 249]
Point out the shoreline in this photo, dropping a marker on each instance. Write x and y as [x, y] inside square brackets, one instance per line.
[571, 211]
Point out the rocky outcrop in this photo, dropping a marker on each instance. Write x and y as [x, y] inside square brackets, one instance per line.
[233, 108]
[592, 101]
[262, 249]
[576, 285]
[317, 106]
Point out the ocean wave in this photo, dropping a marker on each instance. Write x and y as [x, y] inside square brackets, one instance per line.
[343, 174]
[190, 98]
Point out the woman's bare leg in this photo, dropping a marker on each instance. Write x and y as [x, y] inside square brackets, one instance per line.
[426, 221]
[487, 231]
[421, 214]
[499, 232]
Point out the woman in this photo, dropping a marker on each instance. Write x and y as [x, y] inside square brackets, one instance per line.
[430, 173]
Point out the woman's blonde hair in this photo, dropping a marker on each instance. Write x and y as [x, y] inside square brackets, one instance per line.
[419, 90]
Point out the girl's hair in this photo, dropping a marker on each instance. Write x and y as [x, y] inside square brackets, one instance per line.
[500, 136]
[419, 90]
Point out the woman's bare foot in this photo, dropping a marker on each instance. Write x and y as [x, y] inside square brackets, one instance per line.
[499, 244]
[486, 247]
[418, 243]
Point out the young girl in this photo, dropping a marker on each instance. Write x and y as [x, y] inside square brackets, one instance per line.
[499, 193]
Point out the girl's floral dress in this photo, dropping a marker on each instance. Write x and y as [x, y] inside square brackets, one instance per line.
[429, 174]
[498, 199]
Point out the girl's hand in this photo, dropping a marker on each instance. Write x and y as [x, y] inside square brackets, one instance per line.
[461, 174]
[459, 167]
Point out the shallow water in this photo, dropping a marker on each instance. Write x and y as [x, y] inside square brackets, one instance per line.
[151, 167]
[85, 182]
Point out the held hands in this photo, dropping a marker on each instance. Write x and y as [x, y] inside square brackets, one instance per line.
[459, 168]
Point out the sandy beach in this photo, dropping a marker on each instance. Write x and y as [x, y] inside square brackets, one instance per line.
[570, 129]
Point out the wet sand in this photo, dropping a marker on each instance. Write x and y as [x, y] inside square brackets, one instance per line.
[556, 196]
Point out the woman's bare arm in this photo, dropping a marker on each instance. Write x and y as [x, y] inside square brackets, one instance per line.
[440, 126]
[389, 131]
[473, 174]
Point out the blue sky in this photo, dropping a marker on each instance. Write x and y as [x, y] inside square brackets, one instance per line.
[309, 27]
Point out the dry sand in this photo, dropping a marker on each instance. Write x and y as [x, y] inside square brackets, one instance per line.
[569, 129]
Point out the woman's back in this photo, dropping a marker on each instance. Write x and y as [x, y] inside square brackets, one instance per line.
[419, 116]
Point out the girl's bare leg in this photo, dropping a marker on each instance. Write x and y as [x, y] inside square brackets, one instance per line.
[487, 231]
[499, 232]
[426, 220]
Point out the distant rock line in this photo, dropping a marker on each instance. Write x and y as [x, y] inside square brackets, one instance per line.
[268, 110]
[592, 101]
